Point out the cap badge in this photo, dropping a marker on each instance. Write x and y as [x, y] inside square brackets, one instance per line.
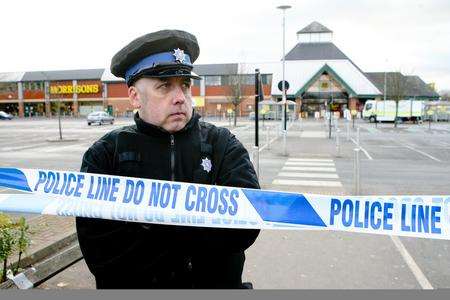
[206, 164]
[179, 55]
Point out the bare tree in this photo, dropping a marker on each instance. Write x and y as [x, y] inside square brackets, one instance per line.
[240, 86]
[397, 90]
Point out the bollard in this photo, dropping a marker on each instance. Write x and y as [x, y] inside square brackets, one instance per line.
[348, 130]
[338, 146]
[268, 137]
[256, 159]
[357, 136]
[356, 172]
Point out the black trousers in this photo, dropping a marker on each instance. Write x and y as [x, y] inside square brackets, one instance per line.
[202, 271]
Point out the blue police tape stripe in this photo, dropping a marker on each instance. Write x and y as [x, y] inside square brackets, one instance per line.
[283, 207]
[14, 178]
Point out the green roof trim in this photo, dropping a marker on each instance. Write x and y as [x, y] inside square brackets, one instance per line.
[329, 70]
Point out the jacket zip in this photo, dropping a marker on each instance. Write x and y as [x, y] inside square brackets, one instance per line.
[172, 157]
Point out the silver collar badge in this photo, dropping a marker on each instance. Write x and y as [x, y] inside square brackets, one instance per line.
[206, 164]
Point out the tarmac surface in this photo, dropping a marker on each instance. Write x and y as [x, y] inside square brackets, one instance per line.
[410, 160]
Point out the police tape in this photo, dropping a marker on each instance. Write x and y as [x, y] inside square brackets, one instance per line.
[178, 203]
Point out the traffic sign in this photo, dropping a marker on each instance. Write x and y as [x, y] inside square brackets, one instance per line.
[280, 85]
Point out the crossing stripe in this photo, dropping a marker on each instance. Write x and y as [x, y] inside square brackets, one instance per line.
[307, 183]
[311, 159]
[318, 169]
[308, 175]
[316, 164]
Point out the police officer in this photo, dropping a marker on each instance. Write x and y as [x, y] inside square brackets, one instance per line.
[167, 142]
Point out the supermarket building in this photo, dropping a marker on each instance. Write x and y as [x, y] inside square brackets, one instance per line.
[316, 69]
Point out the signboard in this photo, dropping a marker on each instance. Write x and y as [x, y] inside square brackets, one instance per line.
[77, 89]
[198, 101]
[280, 85]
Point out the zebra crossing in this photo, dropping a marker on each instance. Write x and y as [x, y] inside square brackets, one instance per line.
[304, 173]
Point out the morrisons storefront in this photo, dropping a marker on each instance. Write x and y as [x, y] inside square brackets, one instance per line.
[317, 71]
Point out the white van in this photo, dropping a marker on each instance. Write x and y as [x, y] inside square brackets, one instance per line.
[380, 110]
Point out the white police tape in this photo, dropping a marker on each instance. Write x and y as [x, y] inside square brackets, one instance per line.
[177, 203]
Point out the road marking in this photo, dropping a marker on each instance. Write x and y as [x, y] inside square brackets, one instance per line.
[421, 152]
[301, 163]
[307, 175]
[311, 159]
[319, 169]
[272, 140]
[73, 147]
[265, 145]
[423, 281]
[6, 149]
[312, 134]
[363, 150]
[307, 183]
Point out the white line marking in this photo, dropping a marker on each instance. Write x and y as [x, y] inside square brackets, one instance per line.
[307, 182]
[76, 147]
[319, 169]
[311, 159]
[363, 150]
[18, 148]
[421, 152]
[301, 163]
[306, 175]
[423, 281]
[270, 142]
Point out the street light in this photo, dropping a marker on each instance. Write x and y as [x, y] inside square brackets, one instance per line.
[284, 8]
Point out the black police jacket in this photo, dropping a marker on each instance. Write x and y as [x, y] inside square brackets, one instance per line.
[134, 255]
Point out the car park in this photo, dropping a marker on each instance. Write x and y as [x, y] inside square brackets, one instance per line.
[99, 117]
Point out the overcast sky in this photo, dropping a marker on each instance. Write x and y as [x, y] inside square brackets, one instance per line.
[408, 35]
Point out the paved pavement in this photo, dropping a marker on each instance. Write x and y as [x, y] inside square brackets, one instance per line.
[411, 159]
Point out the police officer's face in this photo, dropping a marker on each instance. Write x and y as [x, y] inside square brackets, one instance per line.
[164, 102]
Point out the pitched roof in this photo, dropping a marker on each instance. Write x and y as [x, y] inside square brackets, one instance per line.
[314, 27]
[313, 51]
[299, 73]
[85, 74]
[11, 76]
[414, 86]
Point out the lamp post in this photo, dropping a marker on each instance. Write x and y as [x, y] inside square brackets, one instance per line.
[284, 8]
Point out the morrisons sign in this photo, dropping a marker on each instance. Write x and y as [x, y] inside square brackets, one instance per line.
[75, 89]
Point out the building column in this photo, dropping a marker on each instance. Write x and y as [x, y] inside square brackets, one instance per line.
[298, 111]
[353, 103]
[21, 104]
[105, 95]
[48, 110]
[75, 100]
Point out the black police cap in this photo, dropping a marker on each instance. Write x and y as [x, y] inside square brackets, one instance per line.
[164, 53]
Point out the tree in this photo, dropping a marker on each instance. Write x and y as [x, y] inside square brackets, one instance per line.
[239, 87]
[23, 241]
[397, 90]
[7, 242]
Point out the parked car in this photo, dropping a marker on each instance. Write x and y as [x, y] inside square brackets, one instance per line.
[5, 116]
[99, 117]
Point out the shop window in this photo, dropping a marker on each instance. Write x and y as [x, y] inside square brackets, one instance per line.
[213, 80]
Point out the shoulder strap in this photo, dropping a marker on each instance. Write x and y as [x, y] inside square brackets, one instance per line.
[208, 136]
